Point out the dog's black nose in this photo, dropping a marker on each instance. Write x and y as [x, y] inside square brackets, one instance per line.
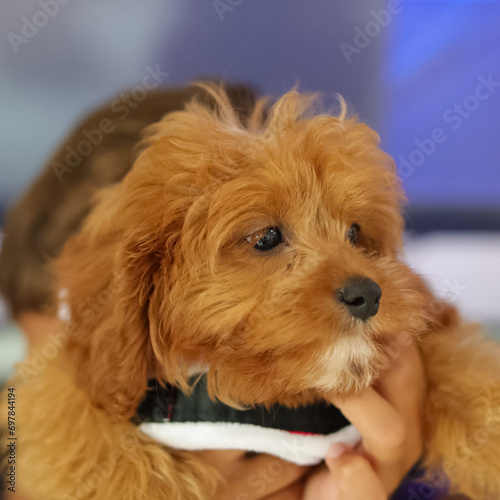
[361, 296]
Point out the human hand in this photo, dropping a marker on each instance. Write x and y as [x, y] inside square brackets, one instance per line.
[389, 417]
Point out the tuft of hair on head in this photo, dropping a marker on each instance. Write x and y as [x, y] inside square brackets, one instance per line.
[341, 110]
[294, 107]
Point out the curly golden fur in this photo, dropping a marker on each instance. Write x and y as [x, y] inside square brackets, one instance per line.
[164, 274]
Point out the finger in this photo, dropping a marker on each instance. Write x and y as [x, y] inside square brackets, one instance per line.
[403, 384]
[382, 427]
[404, 387]
[390, 420]
[353, 477]
[384, 433]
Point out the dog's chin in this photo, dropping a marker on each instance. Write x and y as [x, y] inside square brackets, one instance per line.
[293, 379]
[350, 365]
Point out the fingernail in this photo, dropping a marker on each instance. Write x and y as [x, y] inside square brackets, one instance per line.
[337, 449]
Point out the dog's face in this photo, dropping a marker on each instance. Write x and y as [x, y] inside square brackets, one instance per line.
[268, 254]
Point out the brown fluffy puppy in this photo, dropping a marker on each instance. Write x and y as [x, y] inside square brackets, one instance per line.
[232, 245]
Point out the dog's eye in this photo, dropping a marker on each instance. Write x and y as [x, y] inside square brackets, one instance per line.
[353, 234]
[270, 239]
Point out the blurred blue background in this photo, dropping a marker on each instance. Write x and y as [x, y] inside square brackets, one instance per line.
[424, 74]
[407, 67]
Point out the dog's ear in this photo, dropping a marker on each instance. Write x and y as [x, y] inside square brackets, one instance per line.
[108, 271]
[117, 271]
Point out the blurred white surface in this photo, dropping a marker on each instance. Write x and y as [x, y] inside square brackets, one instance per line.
[13, 348]
[462, 268]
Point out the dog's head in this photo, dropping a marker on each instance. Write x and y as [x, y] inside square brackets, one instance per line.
[266, 252]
